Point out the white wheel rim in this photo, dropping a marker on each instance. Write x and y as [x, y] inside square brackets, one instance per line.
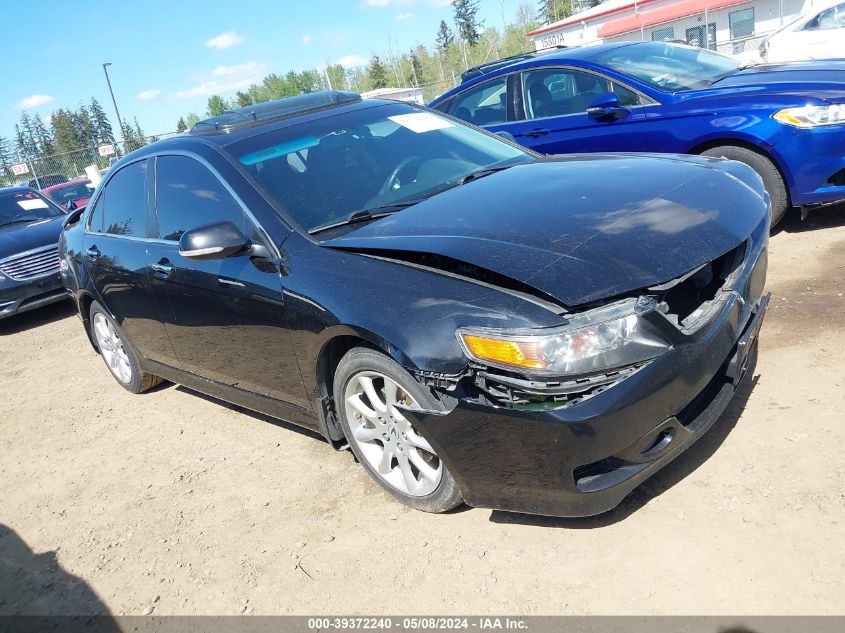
[112, 350]
[391, 446]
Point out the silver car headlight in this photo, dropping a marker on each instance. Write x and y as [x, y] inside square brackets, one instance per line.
[598, 340]
[812, 116]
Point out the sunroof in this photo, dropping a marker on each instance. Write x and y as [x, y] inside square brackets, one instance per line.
[281, 108]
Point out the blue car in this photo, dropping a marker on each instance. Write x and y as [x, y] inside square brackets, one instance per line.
[786, 121]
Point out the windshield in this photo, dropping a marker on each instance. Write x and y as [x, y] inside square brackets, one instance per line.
[61, 195]
[25, 206]
[322, 171]
[669, 67]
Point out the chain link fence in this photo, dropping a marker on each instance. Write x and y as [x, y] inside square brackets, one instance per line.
[51, 169]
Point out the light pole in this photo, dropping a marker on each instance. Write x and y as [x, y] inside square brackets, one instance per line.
[111, 92]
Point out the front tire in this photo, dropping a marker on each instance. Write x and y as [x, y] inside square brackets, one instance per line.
[117, 353]
[765, 168]
[368, 386]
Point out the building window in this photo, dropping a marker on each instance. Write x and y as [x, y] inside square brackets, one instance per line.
[697, 34]
[741, 26]
[661, 35]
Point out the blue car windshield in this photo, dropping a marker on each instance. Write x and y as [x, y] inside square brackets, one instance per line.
[373, 159]
[671, 67]
[23, 207]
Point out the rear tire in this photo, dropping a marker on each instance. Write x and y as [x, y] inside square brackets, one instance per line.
[116, 352]
[367, 385]
[766, 169]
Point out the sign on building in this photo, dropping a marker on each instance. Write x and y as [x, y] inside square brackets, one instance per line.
[20, 169]
[106, 150]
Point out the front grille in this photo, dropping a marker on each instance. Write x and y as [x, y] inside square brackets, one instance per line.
[31, 265]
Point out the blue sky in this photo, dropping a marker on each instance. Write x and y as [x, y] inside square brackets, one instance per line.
[169, 56]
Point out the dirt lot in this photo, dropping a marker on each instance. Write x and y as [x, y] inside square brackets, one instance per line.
[171, 503]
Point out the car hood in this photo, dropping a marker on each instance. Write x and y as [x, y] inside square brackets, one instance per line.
[814, 77]
[581, 228]
[19, 238]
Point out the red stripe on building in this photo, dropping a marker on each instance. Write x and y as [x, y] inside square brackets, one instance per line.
[575, 19]
[663, 14]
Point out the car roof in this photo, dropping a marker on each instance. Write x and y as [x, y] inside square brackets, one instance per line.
[267, 112]
[16, 189]
[69, 183]
[532, 58]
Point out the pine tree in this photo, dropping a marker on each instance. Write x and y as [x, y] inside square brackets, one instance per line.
[139, 133]
[467, 21]
[87, 131]
[65, 133]
[554, 10]
[181, 126]
[5, 158]
[102, 128]
[27, 136]
[21, 148]
[416, 73]
[42, 136]
[243, 99]
[377, 72]
[444, 37]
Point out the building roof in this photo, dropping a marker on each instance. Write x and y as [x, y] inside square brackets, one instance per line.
[608, 7]
[662, 14]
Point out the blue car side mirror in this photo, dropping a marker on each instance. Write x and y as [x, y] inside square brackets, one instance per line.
[607, 106]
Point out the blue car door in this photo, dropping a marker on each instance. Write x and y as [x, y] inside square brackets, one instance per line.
[554, 118]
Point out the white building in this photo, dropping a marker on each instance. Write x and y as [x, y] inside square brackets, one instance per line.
[729, 26]
[414, 95]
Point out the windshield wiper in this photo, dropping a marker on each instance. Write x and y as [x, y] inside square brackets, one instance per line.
[480, 173]
[365, 215]
[733, 72]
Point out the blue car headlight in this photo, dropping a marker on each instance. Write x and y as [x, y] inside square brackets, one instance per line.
[594, 341]
[812, 116]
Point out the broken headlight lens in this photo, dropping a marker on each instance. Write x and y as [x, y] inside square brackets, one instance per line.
[812, 116]
[602, 339]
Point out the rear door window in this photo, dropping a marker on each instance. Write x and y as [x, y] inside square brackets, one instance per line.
[121, 207]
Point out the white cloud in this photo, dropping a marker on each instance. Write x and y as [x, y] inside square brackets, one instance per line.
[224, 79]
[224, 40]
[352, 61]
[147, 95]
[306, 39]
[404, 17]
[34, 101]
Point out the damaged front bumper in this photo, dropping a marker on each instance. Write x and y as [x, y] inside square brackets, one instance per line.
[583, 459]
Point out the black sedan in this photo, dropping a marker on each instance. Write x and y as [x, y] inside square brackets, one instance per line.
[477, 323]
[30, 225]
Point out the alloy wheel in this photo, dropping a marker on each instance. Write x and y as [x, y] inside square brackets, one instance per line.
[112, 349]
[387, 441]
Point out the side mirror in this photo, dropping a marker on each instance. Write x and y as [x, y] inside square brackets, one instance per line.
[71, 205]
[212, 241]
[607, 106]
[506, 135]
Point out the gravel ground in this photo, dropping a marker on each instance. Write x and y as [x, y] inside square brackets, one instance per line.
[173, 503]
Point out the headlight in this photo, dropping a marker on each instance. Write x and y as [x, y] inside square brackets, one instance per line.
[598, 340]
[812, 116]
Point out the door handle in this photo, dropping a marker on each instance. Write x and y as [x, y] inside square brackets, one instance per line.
[536, 132]
[93, 252]
[163, 267]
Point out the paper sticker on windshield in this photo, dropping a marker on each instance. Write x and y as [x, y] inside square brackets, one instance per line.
[421, 122]
[35, 203]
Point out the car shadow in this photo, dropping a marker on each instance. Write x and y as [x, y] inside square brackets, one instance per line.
[36, 318]
[662, 480]
[34, 584]
[289, 426]
[819, 219]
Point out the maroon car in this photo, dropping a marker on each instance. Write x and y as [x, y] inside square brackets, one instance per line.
[78, 191]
